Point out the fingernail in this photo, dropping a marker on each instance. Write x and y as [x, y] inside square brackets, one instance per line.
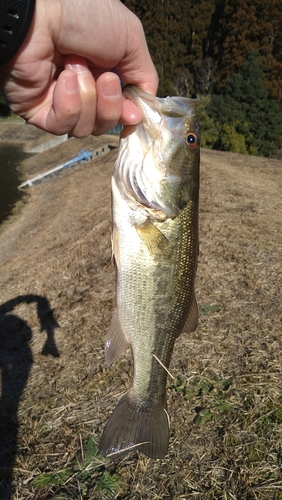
[71, 84]
[111, 88]
[79, 68]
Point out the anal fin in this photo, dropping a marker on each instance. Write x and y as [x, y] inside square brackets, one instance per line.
[191, 322]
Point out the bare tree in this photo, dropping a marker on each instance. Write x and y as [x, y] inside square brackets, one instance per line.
[204, 76]
[184, 83]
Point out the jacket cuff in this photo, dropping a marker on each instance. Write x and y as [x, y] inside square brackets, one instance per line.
[15, 20]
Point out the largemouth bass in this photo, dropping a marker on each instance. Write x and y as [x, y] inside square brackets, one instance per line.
[155, 195]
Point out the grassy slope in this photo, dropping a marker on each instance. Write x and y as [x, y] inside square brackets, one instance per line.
[225, 400]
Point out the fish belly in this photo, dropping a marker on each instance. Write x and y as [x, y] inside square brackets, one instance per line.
[154, 294]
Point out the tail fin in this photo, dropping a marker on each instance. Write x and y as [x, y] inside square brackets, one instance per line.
[130, 428]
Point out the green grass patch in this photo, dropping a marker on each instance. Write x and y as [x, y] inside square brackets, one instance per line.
[89, 474]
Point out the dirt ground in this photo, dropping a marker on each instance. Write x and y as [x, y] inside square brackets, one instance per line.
[56, 302]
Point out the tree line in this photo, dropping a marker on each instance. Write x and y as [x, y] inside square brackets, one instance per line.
[228, 54]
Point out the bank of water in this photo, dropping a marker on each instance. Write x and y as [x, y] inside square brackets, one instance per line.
[11, 157]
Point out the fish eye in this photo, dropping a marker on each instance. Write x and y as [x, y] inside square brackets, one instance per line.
[192, 140]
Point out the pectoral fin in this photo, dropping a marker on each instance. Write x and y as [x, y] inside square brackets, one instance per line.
[115, 247]
[154, 240]
[116, 341]
[191, 322]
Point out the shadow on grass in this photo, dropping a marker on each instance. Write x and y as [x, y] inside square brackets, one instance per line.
[15, 364]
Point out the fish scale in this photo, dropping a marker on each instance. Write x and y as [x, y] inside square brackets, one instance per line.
[156, 259]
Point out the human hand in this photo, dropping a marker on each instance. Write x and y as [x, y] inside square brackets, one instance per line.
[61, 79]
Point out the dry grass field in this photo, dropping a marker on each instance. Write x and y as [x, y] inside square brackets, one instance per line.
[56, 301]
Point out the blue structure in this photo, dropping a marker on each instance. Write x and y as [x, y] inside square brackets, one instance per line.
[83, 155]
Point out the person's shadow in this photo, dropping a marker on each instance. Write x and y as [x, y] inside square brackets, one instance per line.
[15, 364]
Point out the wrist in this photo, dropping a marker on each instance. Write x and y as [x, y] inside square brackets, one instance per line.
[16, 18]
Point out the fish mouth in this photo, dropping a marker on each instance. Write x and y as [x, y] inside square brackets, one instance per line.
[149, 168]
[168, 112]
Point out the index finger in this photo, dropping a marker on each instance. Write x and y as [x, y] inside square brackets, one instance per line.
[137, 67]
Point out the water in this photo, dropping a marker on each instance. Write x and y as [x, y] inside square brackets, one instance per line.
[11, 156]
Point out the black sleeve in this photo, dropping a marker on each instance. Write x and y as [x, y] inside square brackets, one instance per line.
[15, 20]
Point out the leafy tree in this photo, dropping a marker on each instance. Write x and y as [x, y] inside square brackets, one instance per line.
[168, 29]
[232, 140]
[197, 47]
[199, 61]
[270, 46]
[246, 110]
[209, 129]
[229, 48]
[239, 26]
